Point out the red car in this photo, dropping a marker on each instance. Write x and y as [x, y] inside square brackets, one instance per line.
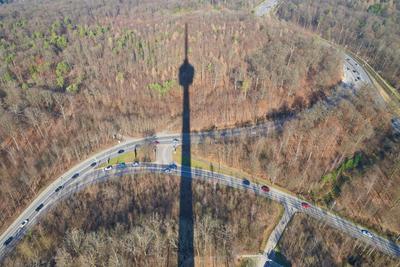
[265, 188]
[305, 205]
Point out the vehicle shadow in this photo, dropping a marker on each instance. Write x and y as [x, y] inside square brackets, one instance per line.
[186, 221]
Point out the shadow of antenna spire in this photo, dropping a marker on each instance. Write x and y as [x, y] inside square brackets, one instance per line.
[186, 221]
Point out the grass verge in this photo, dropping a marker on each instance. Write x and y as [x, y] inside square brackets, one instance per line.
[124, 157]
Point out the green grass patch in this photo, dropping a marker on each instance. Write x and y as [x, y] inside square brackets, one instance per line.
[347, 165]
[162, 88]
[200, 163]
[336, 179]
[124, 157]
[209, 166]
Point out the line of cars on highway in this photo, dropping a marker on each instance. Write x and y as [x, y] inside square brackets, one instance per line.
[357, 78]
[304, 205]
[171, 167]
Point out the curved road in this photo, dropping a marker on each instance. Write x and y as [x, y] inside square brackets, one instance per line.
[354, 75]
[89, 174]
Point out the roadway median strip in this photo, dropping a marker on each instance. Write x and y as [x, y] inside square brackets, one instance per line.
[86, 170]
[287, 200]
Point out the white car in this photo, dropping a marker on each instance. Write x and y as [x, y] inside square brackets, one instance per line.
[135, 164]
[109, 167]
[24, 222]
[366, 233]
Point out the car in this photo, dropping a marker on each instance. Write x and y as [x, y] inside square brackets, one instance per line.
[8, 241]
[305, 205]
[156, 142]
[175, 140]
[39, 207]
[109, 167]
[246, 182]
[59, 188]
[354, 71]
[366, 233]
[173, 166]
[167, 170]
[265, 188]
[135, 163]
[24, 222]
[75, 176]
[348, 68]
[121, 165]
[348, 59]
[93, 164]
[121, 151]
[358, 77]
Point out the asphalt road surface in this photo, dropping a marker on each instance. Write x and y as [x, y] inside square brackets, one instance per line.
[89, 174]
[265, 7]
[354, 74]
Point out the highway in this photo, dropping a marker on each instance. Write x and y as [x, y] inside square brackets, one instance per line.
[90, 174]
[354, 76]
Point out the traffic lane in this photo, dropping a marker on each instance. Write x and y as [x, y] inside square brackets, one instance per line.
[335, 221]
[73, 185]
[70, 188]
[231, 181]
[354, 230]
[356, 70]
[101, 157]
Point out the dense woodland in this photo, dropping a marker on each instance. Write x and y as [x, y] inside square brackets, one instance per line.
[307, 242]
[343, 156]
[138, 225]
[74, 73]
[370, 28]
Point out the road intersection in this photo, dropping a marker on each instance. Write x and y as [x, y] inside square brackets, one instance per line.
[89, 174]
[354, 75]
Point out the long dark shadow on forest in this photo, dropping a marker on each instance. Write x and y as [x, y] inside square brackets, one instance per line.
[186, 221]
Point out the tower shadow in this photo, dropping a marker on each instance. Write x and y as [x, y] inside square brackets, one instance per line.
[186, 223]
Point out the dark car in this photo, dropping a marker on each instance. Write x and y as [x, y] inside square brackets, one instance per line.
[265, 188]
[8, 241]
[59, 188]
[172, 166]
[305, 205]
[93, 164]
[156, 142]
[121, 151]
[246, 182]
[75, 176]
[39, 207]
[121, 165]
